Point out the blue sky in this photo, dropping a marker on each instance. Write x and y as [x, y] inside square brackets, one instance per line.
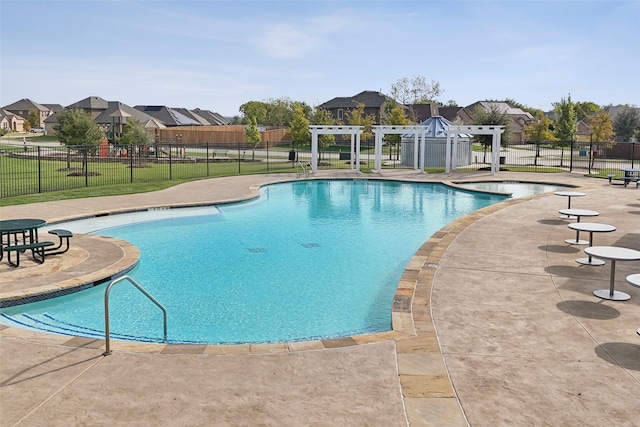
[218, 55]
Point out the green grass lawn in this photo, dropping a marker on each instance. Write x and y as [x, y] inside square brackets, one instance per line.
[26, 178]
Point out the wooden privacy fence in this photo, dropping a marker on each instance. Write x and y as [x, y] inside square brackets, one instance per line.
[218, 135]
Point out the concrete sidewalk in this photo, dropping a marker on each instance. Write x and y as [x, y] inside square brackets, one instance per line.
[502, 330]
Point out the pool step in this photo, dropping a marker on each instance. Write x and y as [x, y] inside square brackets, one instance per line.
[47, 323]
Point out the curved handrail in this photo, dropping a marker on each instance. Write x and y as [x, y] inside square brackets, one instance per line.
[304, 170]
[106, 309]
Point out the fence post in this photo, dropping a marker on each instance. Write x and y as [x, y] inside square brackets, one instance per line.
[633, 154]
[267, 146]
[85, 166]
[207, 157]
[131, 154]
[39, 171]
[170, 163]
[571, 156]
[239, 172]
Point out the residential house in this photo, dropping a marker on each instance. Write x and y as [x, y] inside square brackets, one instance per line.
[110, 116]
[192, 115]
[24, 106]
[373, 105]
[457, 115]
[116, 115]
[213, 118]
[583, 134]
[55, 108]
[11, 122]
[93, 105]
[517, 119]
[168, 116]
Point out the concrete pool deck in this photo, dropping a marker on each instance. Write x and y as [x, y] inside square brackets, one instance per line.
[502, 330]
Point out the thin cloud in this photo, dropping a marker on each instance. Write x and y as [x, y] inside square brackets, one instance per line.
[285, 41]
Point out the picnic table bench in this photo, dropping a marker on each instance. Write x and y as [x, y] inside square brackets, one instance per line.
[37, 251]
[63, 235]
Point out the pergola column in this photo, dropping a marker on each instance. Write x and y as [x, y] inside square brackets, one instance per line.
[351, 152]
[416, 148]
[314, 151]
[357, 153]
[447, 153]
[423, 149]
[454, 152]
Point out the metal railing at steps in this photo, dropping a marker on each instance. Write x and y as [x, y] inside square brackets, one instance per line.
[304, 172]
[106, 309]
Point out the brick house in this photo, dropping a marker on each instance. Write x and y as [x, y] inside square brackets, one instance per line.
[517, 119]
[373, 105]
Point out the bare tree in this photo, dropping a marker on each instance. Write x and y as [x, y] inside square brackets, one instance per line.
[415, 90]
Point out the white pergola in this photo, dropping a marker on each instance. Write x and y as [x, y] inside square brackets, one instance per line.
[452, 146]
[381, 131]
[354, 131]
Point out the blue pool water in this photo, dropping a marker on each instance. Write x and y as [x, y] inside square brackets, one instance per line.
[306, 260]
[516, 189]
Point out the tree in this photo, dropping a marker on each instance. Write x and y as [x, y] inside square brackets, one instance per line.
[253, 137]
[415, 90]
[394, 115]
[299, 129]
[566, 124]
[254, 110]
[539, 131]
[585, 109]
[324, 117]
[627, 123]
[601, 128]
[134, 133]
[273, 112]
[76, 129]
[357, 117]
[491, 116]
[601, 131]
[34, 119]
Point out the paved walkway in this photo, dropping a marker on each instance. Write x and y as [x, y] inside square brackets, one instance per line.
[494, 324]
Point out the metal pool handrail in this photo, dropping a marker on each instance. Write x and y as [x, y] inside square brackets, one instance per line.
[106, 309]
[304, 170]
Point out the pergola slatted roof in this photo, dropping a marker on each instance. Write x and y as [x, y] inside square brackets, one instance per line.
[381, 130]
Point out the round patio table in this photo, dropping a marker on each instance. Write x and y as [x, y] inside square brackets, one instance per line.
[591, 227]
[613, 253]
[634, 280]
[569, 195]
[578, 213]
[27, 227]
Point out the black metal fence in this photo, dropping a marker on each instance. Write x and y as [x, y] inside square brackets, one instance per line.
[37, 169]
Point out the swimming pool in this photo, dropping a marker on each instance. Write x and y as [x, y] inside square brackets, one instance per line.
[515, 188]
[306, 260]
